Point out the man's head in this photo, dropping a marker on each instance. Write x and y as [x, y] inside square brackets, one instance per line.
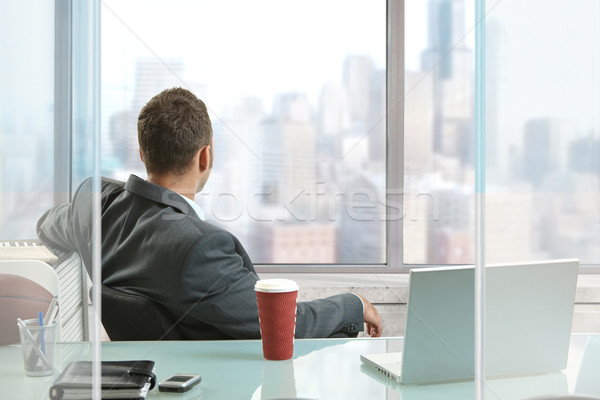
[172, 127]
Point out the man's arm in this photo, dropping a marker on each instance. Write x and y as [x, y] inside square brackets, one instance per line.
[68, 226]
[217, 288]
[59, 229]
[343, 313]
[53, 228]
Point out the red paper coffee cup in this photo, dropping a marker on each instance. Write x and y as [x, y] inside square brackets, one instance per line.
[276, 300]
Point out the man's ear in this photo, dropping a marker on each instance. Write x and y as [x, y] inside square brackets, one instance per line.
[141, 156]
[204, 159]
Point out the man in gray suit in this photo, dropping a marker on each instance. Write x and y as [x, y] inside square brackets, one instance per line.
[155, 242]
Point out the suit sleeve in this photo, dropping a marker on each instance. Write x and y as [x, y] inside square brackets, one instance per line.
[339, 314]
[217, 288]
[53, 228]
[68, 226]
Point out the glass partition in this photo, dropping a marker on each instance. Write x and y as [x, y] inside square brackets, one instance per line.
[86, 151]
[542, 131]
[539, 73]
[49, 145]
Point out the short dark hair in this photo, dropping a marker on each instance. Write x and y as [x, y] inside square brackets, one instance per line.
[172, 127]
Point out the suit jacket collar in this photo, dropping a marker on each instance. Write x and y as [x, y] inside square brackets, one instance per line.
[158, 194]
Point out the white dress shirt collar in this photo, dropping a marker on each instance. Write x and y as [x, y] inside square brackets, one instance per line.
[196, 208]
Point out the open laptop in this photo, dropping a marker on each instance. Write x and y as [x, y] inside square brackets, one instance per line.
[529, 310]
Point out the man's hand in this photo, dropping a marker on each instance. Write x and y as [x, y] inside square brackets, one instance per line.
[372, 319]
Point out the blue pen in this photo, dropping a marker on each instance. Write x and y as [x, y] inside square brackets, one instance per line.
[42, 340]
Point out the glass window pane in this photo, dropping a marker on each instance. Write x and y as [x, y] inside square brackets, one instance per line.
[26, 116]
[438, 132]
[296, 93]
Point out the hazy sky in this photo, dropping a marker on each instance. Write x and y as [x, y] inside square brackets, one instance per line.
[243, 47]
[264, 47]
[548, 62]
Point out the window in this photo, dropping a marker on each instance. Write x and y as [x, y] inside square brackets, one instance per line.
[26, 117]
[297, 96]
[542, 132]
[305, 174]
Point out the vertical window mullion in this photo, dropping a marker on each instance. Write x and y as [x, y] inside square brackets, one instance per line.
[395, 133]
[62, 101]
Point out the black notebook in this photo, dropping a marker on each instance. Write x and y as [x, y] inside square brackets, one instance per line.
[120, 380]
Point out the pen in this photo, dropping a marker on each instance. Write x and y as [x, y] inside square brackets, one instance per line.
[42, 339]
[50, 313]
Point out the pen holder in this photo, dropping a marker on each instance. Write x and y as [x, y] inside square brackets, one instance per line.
[38, 343]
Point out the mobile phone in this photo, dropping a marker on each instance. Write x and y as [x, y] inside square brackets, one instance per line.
[179, 383]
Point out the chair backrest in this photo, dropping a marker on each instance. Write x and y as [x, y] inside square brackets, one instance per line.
[40, 273]
[127, 316]
[73, 280]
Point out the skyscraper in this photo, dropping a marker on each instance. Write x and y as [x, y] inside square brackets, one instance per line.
[450, 62]
[540, 149]
[289, 161]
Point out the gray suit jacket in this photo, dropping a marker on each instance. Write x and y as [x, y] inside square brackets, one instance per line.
[155, 245]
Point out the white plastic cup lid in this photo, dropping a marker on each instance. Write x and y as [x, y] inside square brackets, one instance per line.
[276, 286]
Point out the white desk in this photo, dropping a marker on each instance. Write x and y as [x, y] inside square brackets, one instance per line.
[321, 369]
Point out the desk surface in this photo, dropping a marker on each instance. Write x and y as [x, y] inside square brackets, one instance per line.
[321, 369]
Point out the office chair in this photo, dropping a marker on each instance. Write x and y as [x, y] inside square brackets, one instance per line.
[25, 256]
[127, 316]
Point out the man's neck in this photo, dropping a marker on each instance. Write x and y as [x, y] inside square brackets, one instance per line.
[184, 185]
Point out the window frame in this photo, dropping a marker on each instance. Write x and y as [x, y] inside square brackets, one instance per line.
[63, 100]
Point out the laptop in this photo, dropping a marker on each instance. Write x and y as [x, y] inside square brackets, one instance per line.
[529, 310]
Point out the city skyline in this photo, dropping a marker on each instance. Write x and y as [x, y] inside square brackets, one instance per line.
[542, 132]
[280, 147]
